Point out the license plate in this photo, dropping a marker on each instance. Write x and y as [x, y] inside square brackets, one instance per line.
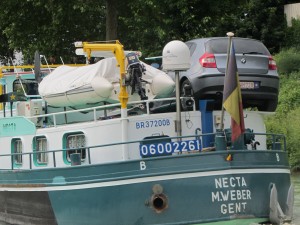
[249, 85]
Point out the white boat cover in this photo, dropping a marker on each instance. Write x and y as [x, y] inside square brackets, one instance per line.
[70, 86]
[66, 78]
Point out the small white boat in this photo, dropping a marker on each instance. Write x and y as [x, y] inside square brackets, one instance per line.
[98, 83]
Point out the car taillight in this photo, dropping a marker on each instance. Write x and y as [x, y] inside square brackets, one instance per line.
[208, 60]
[272, 64]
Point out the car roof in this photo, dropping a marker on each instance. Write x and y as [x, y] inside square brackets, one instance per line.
[211, 38]
[239, 44]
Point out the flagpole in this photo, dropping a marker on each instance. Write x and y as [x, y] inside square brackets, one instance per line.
[229, 35]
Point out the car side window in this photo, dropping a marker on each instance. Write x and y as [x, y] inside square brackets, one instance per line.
[191, 46]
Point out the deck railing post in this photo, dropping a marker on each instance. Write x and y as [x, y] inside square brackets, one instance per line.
[89, 155]
[148, 110]
[54, 120]
[95, 114]
[30, 163]
[12, 161]
[54, 162]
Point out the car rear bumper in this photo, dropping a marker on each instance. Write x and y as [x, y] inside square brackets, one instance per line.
[211, 87]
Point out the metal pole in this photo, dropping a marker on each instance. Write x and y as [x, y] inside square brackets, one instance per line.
[230, 35]
[124, 124]
[178, 105]
[66, 119]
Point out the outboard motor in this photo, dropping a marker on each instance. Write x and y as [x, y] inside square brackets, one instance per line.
[135, 69]
[187, 103]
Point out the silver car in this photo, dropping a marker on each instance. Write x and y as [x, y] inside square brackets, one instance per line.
[257, 72]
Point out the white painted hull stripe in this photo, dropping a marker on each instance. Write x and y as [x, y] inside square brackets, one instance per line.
[62, 187]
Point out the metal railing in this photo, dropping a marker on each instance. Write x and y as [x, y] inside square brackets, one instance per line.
[276, 142]
[145, 105]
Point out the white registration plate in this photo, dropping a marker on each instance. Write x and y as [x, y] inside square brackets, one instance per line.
[167, 148]
[248, 85]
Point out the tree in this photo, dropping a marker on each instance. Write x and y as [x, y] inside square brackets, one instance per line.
[5, 51]
[51, 26]
[265, 21]
[111, 19]
[293, 35]
[150, 24]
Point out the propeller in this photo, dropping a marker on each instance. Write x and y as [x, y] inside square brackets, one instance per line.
[37, 67]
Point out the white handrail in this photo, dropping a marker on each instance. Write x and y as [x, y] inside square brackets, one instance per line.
[103, 107]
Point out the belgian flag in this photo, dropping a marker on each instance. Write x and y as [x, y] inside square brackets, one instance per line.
[232, 98]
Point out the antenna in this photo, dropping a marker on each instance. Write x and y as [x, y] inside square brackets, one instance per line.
[43, 56]
[62, 60]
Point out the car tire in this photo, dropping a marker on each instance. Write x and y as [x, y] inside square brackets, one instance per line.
[270, 106]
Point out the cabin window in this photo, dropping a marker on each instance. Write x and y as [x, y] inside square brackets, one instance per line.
[17, 148]
[40, 146]
[30, 86]
[75, 143]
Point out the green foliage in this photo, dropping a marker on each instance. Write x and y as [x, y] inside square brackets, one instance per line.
[4, 48]
[50, 26]
[261, 21]
[288, 124]
[287, 117]
[289, 95]
[293, 140]
[293, 35]
[288, 61]
[147, 25]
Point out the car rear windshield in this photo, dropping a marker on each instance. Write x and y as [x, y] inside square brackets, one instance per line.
[241, 46]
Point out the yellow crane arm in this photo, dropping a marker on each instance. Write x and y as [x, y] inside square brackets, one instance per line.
[118, 51]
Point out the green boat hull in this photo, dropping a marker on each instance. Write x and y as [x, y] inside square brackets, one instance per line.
[186, 189]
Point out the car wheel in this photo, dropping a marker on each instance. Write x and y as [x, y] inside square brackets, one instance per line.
[186, 91]
[270, 106]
